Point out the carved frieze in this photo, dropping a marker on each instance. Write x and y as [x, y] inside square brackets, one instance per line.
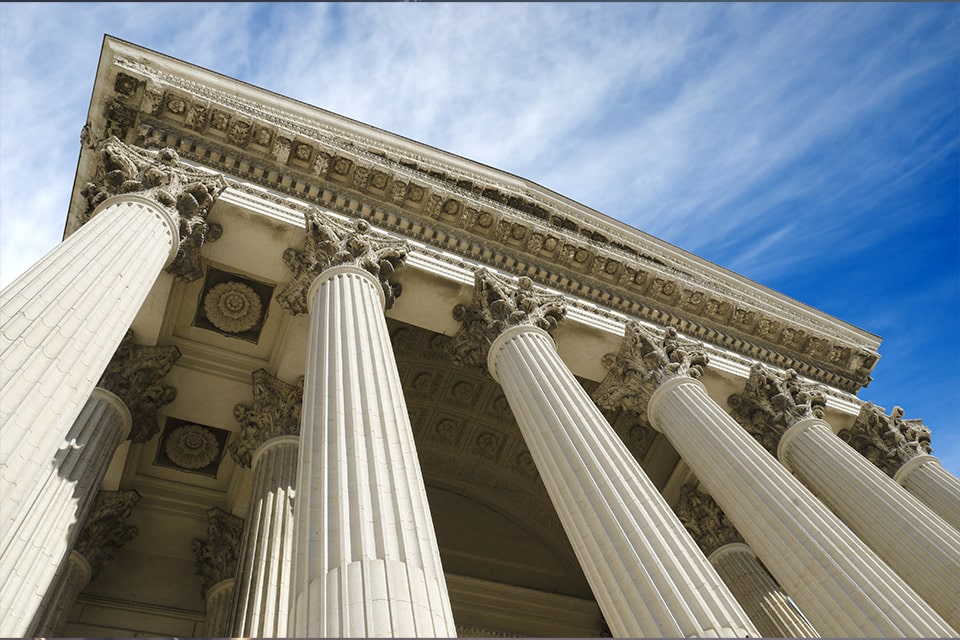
[134, 375]
[510, 223]
[887, 441]
[330, 243]
[275, 412]
[184, 191]
[772, 402]
[647, 359]
[499, 303]
[105, 531]
[706, 522]
[217, 556]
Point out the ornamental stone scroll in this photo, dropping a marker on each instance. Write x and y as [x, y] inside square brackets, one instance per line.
[185, 193]
[331, 243]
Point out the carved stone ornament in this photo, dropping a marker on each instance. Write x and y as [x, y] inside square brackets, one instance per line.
[104, 532]
[182, 190]
[772, 402]
[498, 304]
[192, 446]
[887, 441]
[134, 376]
[704, 519]
[330, 243]
[232, 307]
[275, 412]
[646, 360]
[217, 556]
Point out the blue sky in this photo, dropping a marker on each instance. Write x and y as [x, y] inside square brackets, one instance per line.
[814, 148]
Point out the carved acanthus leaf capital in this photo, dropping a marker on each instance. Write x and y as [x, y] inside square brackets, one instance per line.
[217, 557]
[498, 304]
[105, 531]
[887, 441]
[184, 191]
[134, 376]
[772, 402]
[705, 520]
[646, 360]
[275, 412]
[330, 243]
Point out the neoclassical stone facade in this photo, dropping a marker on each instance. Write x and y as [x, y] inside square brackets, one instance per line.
[291, 375]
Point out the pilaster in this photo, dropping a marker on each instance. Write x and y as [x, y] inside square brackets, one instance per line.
[644, 569]
[791, 531]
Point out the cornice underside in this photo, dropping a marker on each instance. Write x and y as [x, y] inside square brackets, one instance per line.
[458, 221]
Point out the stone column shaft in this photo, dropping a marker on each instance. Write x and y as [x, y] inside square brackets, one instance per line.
[74, 577]
[934, 486]
[917, 543]
[60, 324]
[762, 598]
[839, 583]
[48, 527]
[367, 562]
[648, 575]
[262, 592]
[219, 600]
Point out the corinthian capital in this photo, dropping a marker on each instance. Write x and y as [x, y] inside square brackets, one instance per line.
[185, 192]
[772, 402]
[498, 304]
[706, 522]
[218, 555]
[887, 441]
[275, 412]
[330, 243]
[105, 531]
[646, 360]
[134, 376]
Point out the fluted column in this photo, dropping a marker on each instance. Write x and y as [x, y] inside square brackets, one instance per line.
[839, 583]
[63, 319]
[216, 559]
[916, 542]
[46, 529]
[103, 534]
[901, 449]
[268, 442]
[366, 557]
[647, 574]
[755, 589]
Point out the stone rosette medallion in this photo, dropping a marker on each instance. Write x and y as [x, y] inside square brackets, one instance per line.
[192, 447]
[232, 307]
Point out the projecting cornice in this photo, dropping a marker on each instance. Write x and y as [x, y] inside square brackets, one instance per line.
[459, 207]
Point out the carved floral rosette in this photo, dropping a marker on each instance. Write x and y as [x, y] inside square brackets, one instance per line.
[887, 441]
[134, 375]
[182, 190]
[646, 360]
[705, 520]
[331, 243]
[275, 412]
[772, 402]
[498, 304]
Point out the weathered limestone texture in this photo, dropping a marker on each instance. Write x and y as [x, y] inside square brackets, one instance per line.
[268, 442]
[916, 542]
[647, 574]
[39, 542]
[103, 534]
[901, 449]
[366, 557]
[217, 558]
[62, 320]
[755, 589]
[839, 583]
